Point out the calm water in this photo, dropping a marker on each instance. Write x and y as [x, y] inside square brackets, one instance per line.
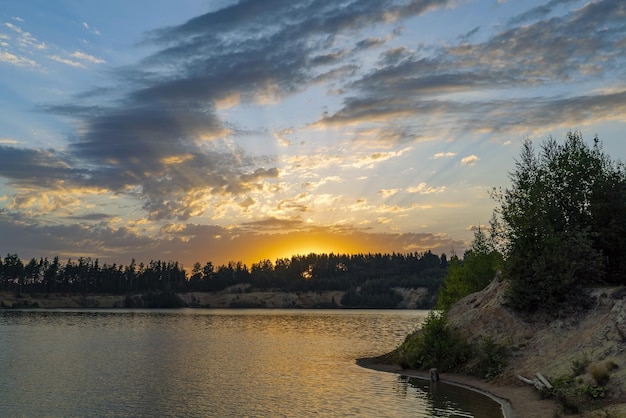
[214, 363]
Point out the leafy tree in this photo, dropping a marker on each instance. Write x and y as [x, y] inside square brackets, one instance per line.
[476, 270]
[563, 221]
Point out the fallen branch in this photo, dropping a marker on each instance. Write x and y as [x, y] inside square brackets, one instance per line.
[545, 381]
[523, 379]
[539, 383]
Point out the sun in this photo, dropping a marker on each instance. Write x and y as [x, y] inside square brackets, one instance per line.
[291, 245]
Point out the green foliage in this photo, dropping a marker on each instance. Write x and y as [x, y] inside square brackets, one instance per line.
[490, 358]
[436, 345]
[564, 223]
[573, 390]
[167, 299]
[373, 294]
[591, 392]
[579, 365]
[472, 274]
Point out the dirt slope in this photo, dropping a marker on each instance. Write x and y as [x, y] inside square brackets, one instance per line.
[554, 347]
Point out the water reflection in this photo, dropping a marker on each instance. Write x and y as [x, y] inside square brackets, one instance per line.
[210, 363]
[448, 400]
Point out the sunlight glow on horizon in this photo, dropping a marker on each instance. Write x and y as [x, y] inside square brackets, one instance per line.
[303, 246]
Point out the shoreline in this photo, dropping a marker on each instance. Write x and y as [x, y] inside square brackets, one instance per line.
[511, 398]
[231, 298]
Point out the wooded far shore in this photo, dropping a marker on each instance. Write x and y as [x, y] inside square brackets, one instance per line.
[235, 297]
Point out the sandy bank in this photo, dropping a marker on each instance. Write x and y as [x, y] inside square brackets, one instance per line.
[60, 301]
[234, 297]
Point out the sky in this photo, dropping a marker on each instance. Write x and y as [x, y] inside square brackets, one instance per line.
[218, 130]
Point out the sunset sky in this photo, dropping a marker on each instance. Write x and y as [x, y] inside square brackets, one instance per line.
[217, 130]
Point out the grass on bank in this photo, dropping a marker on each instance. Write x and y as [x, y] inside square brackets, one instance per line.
[584, 387]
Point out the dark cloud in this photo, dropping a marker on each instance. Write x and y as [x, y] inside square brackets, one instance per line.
[69, 241]
[558, 49]
[505, 116]
[38, 167]
[91, 217]
[157, 133]
[538, 12]
[410, 89]
[370, 42]
[274, 224]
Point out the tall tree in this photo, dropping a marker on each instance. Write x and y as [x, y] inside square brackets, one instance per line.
[557, 222]
[476, 270]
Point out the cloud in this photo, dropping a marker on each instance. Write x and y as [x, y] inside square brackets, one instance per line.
[247, 203]
[443, 155]
[9, 141]
[274, 224]
[86, 57]
[469, 160]
[313, 185]
[90, 29]
[23, 47]
[16, 60]
[170, 110]
[423, 188]
[70, 241]
[65, 61]
[369, 161]
[385, 193]
[371, 42]
[77, 59]
[538, 12]
[38, 168]
[38, 203]
[24, 39]
[414, 89]
[169, 104]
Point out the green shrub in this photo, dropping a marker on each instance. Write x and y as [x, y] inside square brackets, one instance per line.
[436, 345]
[592, 392]
[573, 391]
[579, 365]
[490, 357]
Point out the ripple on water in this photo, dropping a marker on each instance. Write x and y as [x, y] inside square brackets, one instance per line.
[213, 363]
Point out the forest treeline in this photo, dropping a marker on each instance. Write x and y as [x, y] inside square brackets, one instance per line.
[367, 279]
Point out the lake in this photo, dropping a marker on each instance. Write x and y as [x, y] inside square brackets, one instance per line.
[215, 363]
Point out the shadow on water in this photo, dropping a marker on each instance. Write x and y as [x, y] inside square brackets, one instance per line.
[446, 400]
